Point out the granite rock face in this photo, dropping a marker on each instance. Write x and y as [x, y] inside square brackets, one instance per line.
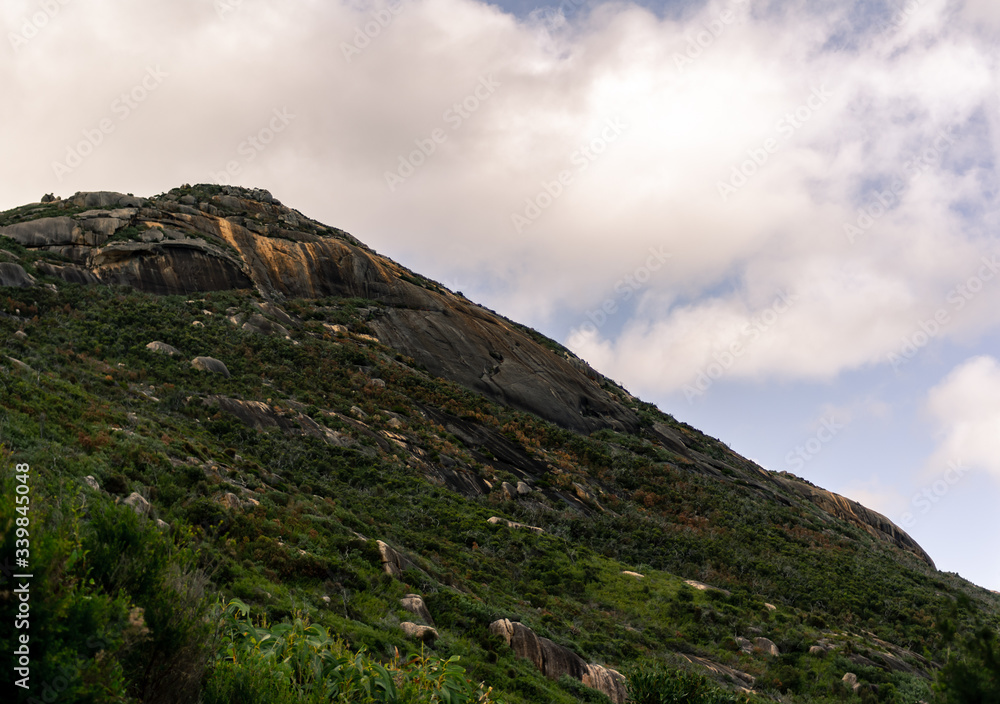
[175, 248]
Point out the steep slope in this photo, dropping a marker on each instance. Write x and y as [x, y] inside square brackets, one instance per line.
[322, 432]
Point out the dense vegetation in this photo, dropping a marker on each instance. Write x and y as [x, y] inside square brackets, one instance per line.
[255, 574]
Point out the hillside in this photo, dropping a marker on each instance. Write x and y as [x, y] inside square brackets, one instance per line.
[242, 423]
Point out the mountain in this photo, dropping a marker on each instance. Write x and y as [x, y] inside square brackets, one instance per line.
[242, 421]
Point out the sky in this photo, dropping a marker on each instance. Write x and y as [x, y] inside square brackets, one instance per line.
[775, 220]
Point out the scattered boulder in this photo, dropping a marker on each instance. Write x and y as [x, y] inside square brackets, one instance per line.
[377, 383]
[497, 521]
[770, 607]
[633, 574]
[744, 645]
[523, 489]
[210, 364]
[850, 679]
[14, 276]
[163, 348]
[18, 364]
[162, 525]
[137, 503]
[422, 633]
[21, 335]
[392, 562]
[704, 587]
[766, 646]
[262, 326]
[92, 483]
[509, 491]
[817, 650]
[414, 603]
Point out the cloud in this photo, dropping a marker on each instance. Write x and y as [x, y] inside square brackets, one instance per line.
[965, 409]
[746, 141]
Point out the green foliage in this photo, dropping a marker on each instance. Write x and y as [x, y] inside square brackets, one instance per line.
[657, 685]
[300, 661]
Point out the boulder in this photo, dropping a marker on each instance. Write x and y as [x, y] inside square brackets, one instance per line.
[766, 646]
[92, 483]
[817, 650]
[392, 562]
[523, 489]
[18, 364]
[210, 364]
[414, 603]
[850, 679]
[45, 232]
[508, 491]
[744, 645]
[704, 587]
[105, 199]
[497, 521]
[554, 661]
[68, 273]
[627, 573]
[422, 633]
[162, 525]
[14, 276]
[163, 348]
[261, 325]
[137, 503]
[604, 679]
[21, 335]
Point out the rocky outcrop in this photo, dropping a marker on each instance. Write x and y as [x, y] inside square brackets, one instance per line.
[182, 249]
[14, 276]
[414, 603]
[554, 661]
[210, 364]
[393, 562]
[163, 348]
[872, 522]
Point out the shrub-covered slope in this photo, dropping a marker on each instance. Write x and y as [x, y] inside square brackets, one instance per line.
[253, 533]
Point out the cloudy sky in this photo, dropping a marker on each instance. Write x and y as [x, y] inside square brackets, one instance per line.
[776, 220]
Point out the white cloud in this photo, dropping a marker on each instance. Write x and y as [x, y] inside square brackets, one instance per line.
[965, 408]
[687, 125]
